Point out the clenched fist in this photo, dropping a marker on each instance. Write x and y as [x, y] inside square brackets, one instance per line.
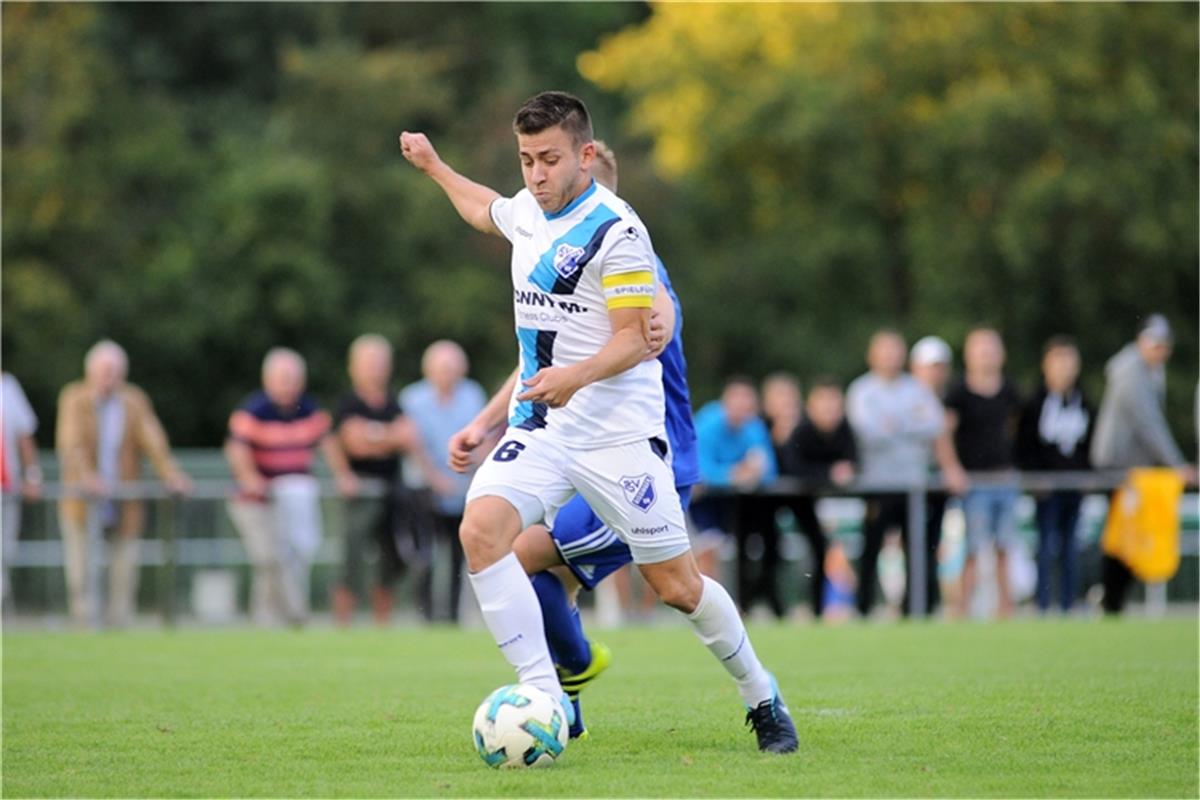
[418, 150]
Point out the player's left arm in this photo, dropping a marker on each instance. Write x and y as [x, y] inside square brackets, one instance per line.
[662, 322]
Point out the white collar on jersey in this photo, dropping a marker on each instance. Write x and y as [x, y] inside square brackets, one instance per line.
[574, 204]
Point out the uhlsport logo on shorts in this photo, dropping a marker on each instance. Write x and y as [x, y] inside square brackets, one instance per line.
[639, 491]
[566, 259]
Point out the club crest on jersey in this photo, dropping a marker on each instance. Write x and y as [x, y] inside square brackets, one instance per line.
[566, 259]
[639, 491]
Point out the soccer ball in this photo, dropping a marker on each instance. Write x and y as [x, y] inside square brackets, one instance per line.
[519, 726]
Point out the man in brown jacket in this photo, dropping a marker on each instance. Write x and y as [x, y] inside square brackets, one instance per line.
[105, 427]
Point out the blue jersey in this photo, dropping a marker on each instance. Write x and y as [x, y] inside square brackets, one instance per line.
[681, 432]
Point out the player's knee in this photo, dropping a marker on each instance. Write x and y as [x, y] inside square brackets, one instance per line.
[681, 593]
[480, 544]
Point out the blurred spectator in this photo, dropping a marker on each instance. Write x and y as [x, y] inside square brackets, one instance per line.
[439, 405]
[756, 516]
[929, 361]
[821, 450]
[735, 452]
[273, 438]
[895, 420]
[20, 473]
[782, 406]
[105, 427]
[838, 603]
[1054, 434]
[1131, 429]
[372, 433]
[982, 412]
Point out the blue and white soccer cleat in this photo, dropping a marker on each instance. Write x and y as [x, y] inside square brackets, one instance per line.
[772, 724]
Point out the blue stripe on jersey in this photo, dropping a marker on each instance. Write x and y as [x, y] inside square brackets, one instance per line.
[537, 352]
[681, 432]
[584, 240]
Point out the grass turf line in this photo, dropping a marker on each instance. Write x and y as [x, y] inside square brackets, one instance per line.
[1079, 709]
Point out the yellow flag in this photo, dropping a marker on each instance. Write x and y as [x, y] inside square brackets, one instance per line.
[1143, 523]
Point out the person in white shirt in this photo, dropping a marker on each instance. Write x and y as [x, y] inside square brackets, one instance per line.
[588, 414]
[20, 474]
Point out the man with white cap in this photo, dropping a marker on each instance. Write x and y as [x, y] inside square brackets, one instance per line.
[895, 420]
[1131, 428]
[930, 362]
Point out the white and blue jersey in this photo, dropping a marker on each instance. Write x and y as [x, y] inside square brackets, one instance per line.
[590, 548]
[569, 269]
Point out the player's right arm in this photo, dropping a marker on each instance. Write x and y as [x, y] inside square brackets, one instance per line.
[493, 416]
[473, 201]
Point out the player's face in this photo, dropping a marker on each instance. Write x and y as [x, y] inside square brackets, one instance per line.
[556, 169]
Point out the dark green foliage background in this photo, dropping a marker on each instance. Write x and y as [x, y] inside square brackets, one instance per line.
[203, 181]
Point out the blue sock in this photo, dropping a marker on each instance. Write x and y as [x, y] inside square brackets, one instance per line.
[564, 632]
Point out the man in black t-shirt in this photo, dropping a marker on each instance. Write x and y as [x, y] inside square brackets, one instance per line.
[982, 411]
[373, 433]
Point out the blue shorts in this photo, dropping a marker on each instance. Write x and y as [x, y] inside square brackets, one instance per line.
[991, 514]
[589, 548]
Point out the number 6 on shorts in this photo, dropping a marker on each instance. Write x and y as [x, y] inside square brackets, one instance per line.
[508, 451]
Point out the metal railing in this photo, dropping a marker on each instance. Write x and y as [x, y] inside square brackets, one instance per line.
[165, 550]
[1090, 482]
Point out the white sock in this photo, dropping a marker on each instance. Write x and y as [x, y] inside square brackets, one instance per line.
[717, 623]
[510, 609]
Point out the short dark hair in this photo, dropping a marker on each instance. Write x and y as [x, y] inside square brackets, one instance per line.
[1058, 341]
[544, 111]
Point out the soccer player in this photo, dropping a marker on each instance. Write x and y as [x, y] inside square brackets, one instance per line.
[588, 417]
[581, 550]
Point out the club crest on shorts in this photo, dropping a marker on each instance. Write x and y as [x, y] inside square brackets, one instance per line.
[639, 491]
[566, 259]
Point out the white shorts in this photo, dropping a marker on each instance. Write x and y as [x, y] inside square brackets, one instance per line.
[631, 487]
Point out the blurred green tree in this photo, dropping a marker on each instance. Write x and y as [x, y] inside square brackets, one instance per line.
[1033, 166]
[202, 181]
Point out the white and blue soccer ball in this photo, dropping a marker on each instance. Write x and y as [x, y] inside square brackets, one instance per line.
[519, 726]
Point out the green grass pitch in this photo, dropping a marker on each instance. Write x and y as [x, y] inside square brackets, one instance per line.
[1072, 708]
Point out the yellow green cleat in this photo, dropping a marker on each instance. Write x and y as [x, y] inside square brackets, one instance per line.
[573, 684]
